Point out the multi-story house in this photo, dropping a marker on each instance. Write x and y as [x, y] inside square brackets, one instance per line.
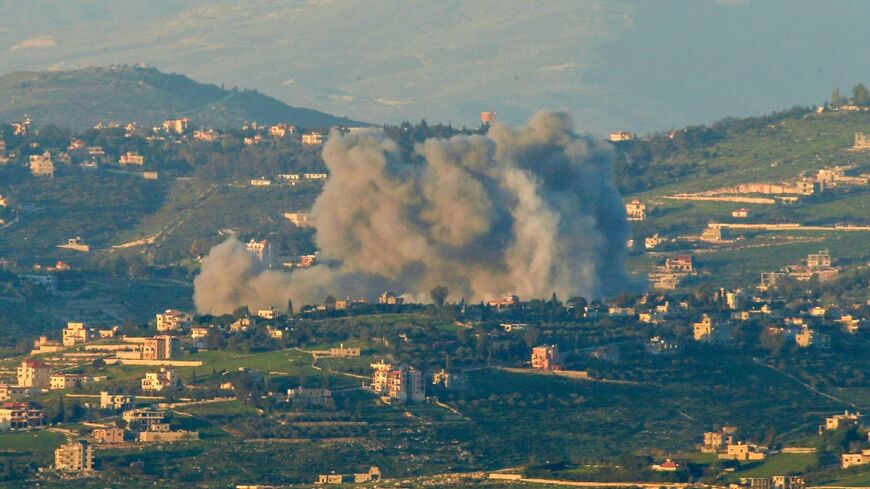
[546, 357]
[158, 380]
[74, 456]
[172, 320]
[33, 373]
[74, 334]
[159, 348]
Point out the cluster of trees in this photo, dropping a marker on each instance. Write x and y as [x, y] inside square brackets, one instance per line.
[860, 97]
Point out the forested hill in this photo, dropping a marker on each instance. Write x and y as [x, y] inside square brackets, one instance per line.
[79, 99]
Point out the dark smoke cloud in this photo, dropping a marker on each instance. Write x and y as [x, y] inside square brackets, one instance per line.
[528, 211]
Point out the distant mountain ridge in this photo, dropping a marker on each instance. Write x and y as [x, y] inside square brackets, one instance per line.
[81, 98]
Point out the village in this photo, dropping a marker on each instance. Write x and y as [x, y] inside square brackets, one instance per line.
[107, 392]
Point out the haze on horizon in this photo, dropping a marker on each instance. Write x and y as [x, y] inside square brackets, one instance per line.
[640, 66]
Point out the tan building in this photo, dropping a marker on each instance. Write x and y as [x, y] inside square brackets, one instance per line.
[178, 126]
[373, 475]
[42, 165]
[862, 142]
[115, 401]
[262, 251]
[707, 331]
[807, 337]
[743, 451]
[20, 415]
[172, 320]
[131, 158]
[343, 352]
[33, 373]
[834, 422]
[402, 384]
[390, 298]
[9, 392]
[64, 381]
[108, 436]
[716, 441]
[851, 459]
[636, 210]
[209, 135]
[161, 433]
[619, 136]
[303, 397]
[75, 456]
[156, 381]
[312, 138]
[680, 264]
[545, 357]
[75, 334]
[160, 348]
[299, 219]
[142, 418]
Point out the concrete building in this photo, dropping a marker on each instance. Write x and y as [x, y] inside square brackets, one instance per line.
[262, 251]
[862, 142]
[33, 373]
[178, 126]
[21, 415]
[161, 433]
[156, 381]
[546, 357]
[74, 456]
[115, 401]
[851, 459]
[635, 210]
[302, 397]
[299, 219]
[60, 381]
[142, 418]
[42, 165]
[822, 259]
[373, 475]
[619, 136]
[743, 451]
[680, 264]
[402, 384]
[716, 441]
[390, 298]
[108, 436]
[312, 138]
[208, 135]
[131, 158]
[74, 334]
[838, 420]
[172, 320]
[808, 337]
[708, 331]
[162, 347]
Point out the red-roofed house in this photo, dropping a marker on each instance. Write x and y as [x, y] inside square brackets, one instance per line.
[33, 373]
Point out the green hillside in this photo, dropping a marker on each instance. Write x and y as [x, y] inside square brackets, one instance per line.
[79, 99]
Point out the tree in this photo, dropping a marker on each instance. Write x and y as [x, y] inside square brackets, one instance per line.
[330, 301]
[290, 306]
[861, 96]
[439, 295]
[836, 98]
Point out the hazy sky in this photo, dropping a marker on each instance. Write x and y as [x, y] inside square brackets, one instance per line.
[641, 66]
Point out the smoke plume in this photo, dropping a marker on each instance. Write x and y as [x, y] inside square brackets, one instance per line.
[527, 211]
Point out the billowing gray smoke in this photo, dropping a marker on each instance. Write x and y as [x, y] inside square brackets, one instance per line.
[527, 211]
